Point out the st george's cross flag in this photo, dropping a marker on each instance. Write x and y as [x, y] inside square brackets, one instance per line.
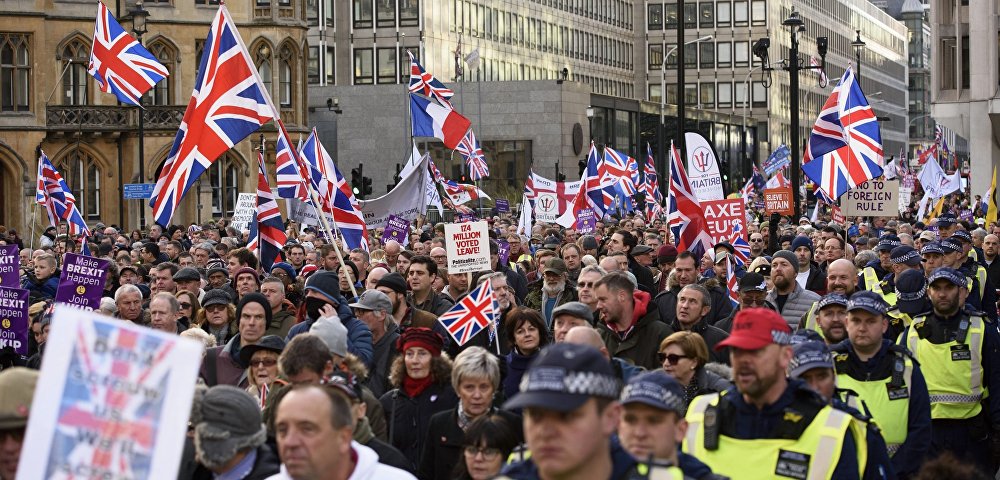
[229, 102]
[845, 147]
[119, 63]
[476, 311]
[267, 232]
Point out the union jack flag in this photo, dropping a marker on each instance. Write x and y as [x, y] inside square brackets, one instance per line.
[684, 213]
[229, 102]
[654, 198]
[119, 63]
[739, 243]
[435, 172]
[267, 232]
[616, 172]
[54, 195]
[334, 193]
[591, 193]
[845, 147]
[290, 170]
[476, 311]
[320, 169]
[460, 193]
[422, 82]
[470, 150]
[732, 284]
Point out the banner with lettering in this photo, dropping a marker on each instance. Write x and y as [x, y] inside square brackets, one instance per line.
[703, 168]
[10, 266]
[81, 282]
[112, 400]
[721, 216]
[14, 319]
[875, 198]
[468, 246]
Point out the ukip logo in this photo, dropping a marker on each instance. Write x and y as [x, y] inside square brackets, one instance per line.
[701, 159]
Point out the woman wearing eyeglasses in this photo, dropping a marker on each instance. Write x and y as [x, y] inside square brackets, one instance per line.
[685, 356]
[489, 440]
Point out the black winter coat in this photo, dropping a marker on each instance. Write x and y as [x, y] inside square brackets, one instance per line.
[409, 418]
[443, 446]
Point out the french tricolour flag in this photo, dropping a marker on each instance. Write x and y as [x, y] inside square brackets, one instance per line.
[433, 120]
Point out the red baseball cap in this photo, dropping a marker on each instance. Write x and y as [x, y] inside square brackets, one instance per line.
[756, 328]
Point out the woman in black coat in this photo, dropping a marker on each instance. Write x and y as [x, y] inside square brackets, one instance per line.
[475, 377]
[421, 377]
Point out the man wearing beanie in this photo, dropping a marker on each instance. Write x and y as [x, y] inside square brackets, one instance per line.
[323, 298]
[809, 276]
[792, 300]
[222, 365]
[229, 436]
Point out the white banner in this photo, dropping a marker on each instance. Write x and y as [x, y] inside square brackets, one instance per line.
[246, 208]
[547, 207]
[703, 168]
[305, 214]
[408, 199]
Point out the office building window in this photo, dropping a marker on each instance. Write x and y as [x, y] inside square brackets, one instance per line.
[15, 72]
[670, 16]
[965, 61]
[312, 66]
[409, 13]
[654, 92]
[741, 95]
[77, 54]
[167, 56]
[706, 15]
[654, 16]
[741, 54]
[385, 13]
[707, 95]
[741, 17]
[363, 66]
[725, 95]
[759, 94]
[707, 54]
[312, 13]
[329, 9]
[363, 13]
[691, 55]
[655, 56]
[691, 93]
[690, 15]
[671, 56]
[723, 14]
[758, 13]
[387, 65]
[404, 61]
[329, 66]
[724, 54]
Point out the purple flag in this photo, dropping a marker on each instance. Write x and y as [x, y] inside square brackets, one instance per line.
[14, 319]
[503, 206]
[396, 228]
[504, 251]
[466, 217]
[10, 266]
[81, 283]
[586, 221]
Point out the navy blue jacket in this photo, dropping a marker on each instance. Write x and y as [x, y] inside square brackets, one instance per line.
[622, 468]
[359, 337]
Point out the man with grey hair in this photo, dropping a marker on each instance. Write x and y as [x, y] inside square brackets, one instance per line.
[864, 257]
[202, 252]
[164, 310]
[694, 301]
[585, 285]
[905, 239]
[229, 437]
[554, 291]
[128, 299]
[374, 308]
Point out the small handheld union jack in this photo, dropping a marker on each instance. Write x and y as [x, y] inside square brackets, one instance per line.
[475, 312]
[473, 154]
[54, 195]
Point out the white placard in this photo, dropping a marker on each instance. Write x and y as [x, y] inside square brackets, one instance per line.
[246, 208]
[468, 246]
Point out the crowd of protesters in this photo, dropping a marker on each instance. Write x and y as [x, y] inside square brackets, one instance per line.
[612, 349]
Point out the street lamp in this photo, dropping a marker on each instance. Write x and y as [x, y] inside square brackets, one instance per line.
[590, 122]
[680, 99]
[858, 44]
[138, 16]
[793, 65]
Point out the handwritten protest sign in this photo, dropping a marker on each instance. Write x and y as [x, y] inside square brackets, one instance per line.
[586, 221]
[396, 228]
[722, 215]
[112, 400]
[874, 198]
[246, 208]
[779, 200]
[10, 266]
[468, 247]
[14, 319]
[81, 282]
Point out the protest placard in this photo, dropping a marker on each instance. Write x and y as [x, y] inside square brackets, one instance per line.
[14, 319]
[81, 283]
[586, 221]
[876, 198]
[112, 400]
[246, 208]
[468, 246]
[503, 206]
[905, 194]
[965, 215]
[547, 207]
[779, 200]
[396, 228]
[10, 266]
[722, 215]
[837, 216]
[305, 213]
[504, 251]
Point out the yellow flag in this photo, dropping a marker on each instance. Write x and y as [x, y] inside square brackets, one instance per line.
[991, 200]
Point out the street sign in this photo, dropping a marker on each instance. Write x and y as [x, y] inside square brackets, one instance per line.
[134, 191]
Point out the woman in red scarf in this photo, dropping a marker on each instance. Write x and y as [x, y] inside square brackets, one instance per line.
[422, 380]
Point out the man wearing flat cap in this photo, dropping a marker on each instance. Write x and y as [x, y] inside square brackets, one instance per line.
[959, 352]
[555, 290]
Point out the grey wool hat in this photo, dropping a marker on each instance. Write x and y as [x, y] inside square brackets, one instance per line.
[228, 420]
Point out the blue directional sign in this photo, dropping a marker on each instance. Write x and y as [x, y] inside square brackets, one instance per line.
[139, 190]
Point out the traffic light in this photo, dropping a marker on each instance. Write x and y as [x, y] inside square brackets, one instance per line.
[366, 186]
[396, 177]
[356, 175]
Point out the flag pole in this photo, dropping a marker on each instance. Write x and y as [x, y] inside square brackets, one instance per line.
[34, 208]
[257, 214]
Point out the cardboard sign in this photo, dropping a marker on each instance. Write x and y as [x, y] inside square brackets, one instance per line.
[396, 228]
[246, 208]
[10, 266]
[779, 200]
[468, 247]
[503, 206]
[586, 222]
[112, 400]
[722, 215]
[876, 198]
[81, 283]
[14, 319]
[837, 216]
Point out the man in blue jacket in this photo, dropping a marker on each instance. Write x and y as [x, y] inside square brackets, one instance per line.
[323, 288]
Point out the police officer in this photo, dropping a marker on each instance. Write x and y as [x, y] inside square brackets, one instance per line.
[933, 257]
[887, 379]
[569, 397]
[911, 300]
[831, 318]
[876, 270]
[947, 224]
[982, 298]
[958, 350]
[805, 436]
[652, 424]
[901, 259]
